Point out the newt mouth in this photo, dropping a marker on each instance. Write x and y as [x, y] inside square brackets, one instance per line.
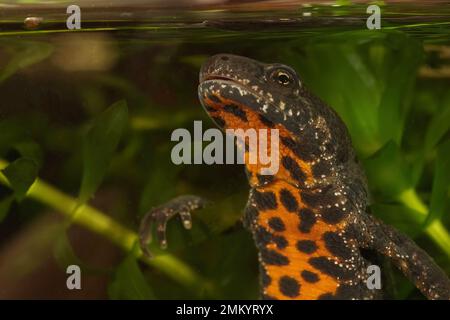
[228, 81]
[233, 89]
[224, 89]
[209, 77]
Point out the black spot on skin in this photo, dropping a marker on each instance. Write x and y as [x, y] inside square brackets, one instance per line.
[332, 215]
[214, 98]
[277, 224]
[272, 257]
[309, 276]
[210, 109]
[265, 200]
[245, 100]
[262, 236]
[346, 292]
[313, 199]
[306, 246]
[294, 169]
[321, 168]
[329, 267]
[266, 121]
[251, 213]
[265, 278]
[326, 296]
[326, 189]
[219, 121]
[288, 200]
[289, 286]
[353, 232]
[291, 144]
[307, 220]
[305, 151]
[235, 110]
[264, 179]
[309, 151]
[335, 244]
[280, 241]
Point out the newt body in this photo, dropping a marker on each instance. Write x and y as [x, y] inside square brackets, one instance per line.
[310, 220]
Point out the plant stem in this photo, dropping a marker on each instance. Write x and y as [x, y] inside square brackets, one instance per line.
[102, 224]
[435, 230]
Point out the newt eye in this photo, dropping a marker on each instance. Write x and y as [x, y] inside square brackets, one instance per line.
[282, 77]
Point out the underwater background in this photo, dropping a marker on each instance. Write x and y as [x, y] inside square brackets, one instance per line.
[86, 118]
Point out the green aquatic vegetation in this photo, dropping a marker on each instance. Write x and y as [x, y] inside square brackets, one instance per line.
[99, 146]
[370, 78]
[24, 54]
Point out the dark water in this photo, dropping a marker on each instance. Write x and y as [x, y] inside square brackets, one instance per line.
[390, 86]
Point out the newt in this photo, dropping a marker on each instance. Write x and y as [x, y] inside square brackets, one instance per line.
[311, 220]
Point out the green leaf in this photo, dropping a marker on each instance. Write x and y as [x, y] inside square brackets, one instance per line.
[21, 174]
[400, 68]
[439, 195]
[387, 172]
[14, 135]
[99, 146]
[25, 55]
[129, 282]
[5, 204]
[366, 76]
[30, 150]
[12, 131]
[63, 251]
[439, 124]
[399, 216]
[159, 185]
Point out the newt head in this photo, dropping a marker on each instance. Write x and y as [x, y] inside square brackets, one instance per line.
[310, 220]
[242, 93]
[239, 85]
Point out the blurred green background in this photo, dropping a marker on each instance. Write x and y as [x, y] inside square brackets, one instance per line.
[85, 125]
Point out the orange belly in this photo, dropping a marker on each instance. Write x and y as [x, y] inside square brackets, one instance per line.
[299, 241]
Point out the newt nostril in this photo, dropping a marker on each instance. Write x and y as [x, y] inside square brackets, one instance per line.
[224, 58]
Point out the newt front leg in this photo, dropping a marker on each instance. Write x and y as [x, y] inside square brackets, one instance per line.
[182, 206]
[415, 263]
[309, 219]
